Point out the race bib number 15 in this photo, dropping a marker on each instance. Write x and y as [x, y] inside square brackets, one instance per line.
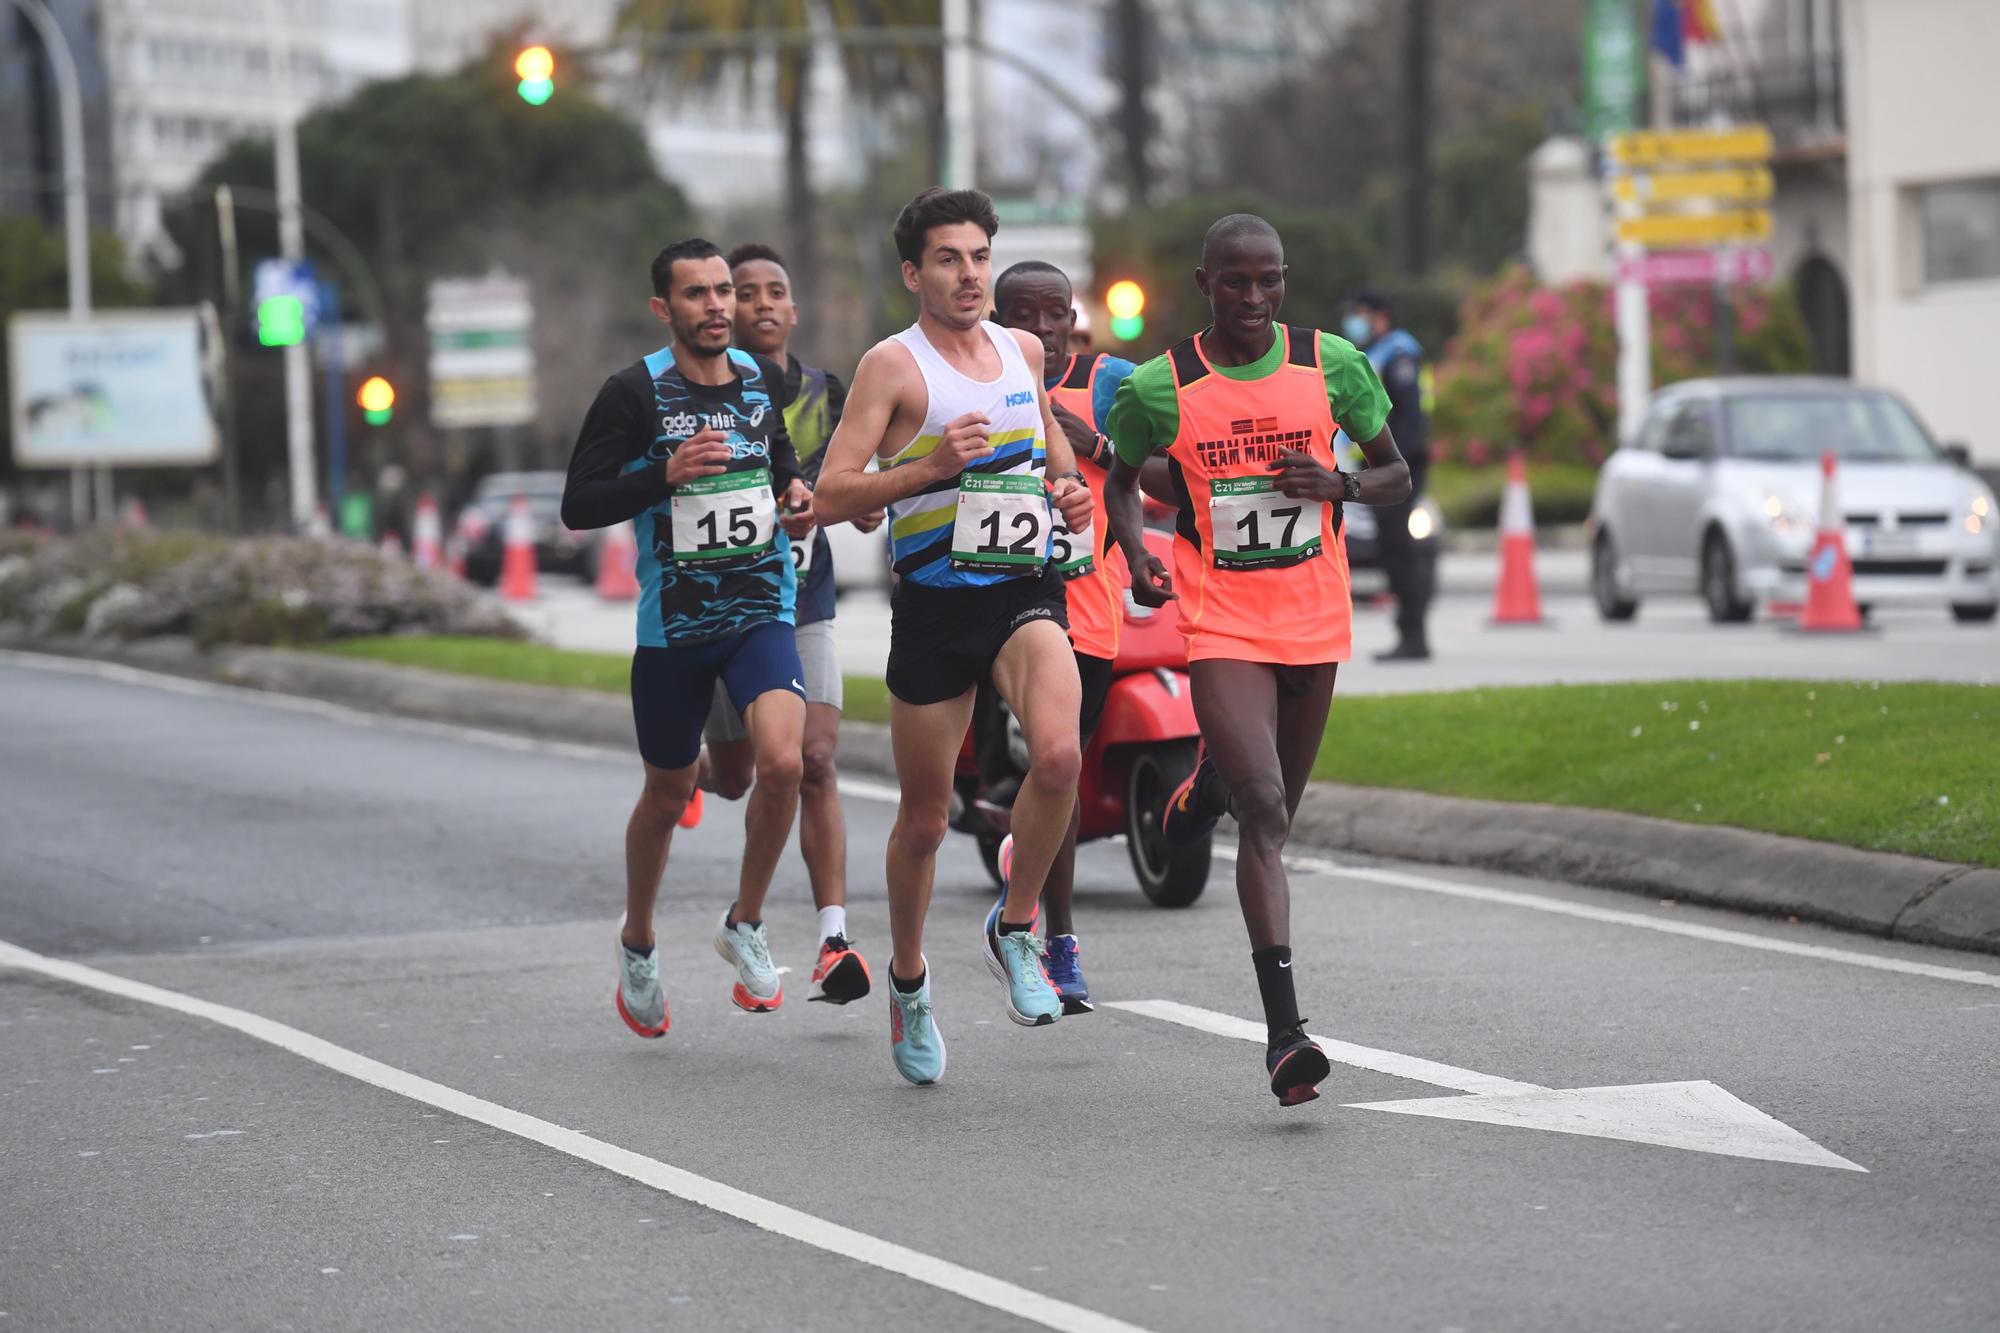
[1002, 524]
[1257, 526]
[730, 517]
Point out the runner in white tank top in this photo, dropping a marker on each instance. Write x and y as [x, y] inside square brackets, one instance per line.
[972, 466]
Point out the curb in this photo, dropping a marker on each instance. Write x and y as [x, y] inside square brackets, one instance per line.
[1880, 893]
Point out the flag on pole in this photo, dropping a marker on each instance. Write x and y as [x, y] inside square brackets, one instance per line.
[1669, 32]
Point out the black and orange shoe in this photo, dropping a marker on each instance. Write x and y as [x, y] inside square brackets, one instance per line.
[1196, 805]
[841, 974]
[1296, 1065]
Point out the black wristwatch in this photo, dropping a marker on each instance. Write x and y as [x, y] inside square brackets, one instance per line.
[1073, 472]
[1350, 485]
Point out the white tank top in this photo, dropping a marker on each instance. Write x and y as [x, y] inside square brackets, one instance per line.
[939, 542]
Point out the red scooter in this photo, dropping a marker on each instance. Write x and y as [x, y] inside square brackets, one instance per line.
[1143, 750]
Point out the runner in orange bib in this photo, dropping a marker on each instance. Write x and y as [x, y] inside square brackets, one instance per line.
[1245, 412]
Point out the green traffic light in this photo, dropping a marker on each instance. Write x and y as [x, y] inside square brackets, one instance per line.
[1127, 327]
[536, 91]
[281, 321]
[380, 416]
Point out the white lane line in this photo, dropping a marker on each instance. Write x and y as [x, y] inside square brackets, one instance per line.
[862, 789]
[1402, 879]
[1412, 1067]
[819, 1233]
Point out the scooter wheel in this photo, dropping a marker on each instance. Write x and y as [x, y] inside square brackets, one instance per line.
[1168, 876]
[989, 853]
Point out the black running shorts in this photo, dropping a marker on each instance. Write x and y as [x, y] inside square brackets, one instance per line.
[942, 641]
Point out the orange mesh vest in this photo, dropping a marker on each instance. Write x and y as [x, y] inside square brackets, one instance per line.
[1261, 578]
[1096, 598]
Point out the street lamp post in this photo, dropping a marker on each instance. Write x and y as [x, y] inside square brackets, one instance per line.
[960, 118]
[292, 245]
[76, 222]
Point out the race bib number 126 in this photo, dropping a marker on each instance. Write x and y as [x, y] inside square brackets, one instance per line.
[1002, 524]
[1257, 526]
[730, 517]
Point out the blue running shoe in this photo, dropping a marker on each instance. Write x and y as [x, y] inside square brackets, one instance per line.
[1066, 974]
[914, 1040]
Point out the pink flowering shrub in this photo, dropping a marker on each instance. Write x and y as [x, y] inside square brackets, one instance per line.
[1535, 368]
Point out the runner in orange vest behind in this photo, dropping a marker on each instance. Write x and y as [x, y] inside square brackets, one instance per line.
[1245, 412]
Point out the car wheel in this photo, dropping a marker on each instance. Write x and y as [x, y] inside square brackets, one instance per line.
[1973, 613]
[1718, 583]
[1611, 603]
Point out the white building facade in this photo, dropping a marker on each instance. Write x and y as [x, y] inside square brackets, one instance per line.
[1924, 191]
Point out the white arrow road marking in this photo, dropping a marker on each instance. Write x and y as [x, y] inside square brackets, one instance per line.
[1697, 1116]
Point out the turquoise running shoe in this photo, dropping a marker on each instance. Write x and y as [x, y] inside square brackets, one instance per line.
[745, 948]
[640, 1002]
[914, 1040]
[1016, 962]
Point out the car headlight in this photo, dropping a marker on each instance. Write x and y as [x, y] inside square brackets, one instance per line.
[1783, 519]
[1422, 524]
[1976, 515]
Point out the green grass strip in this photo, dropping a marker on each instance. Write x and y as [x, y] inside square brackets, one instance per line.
[1908, 768]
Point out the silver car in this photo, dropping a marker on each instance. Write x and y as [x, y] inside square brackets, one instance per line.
[1719, 494]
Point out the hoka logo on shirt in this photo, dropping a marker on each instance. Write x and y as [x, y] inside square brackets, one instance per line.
[1020, 399]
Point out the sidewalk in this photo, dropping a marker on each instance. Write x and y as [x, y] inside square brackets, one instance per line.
[1671, 639]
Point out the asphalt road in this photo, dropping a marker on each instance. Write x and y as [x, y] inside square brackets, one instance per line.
[436, 908]
[1671, 639]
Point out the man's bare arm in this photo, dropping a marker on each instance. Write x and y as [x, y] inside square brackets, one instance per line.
[847, 490]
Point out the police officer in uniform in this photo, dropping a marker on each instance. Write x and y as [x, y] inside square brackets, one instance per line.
[1371, 326]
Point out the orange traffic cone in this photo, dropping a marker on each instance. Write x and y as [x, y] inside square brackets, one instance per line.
[618, 564]
[1830, 607]
[427, 540]
[1516, 598]
[392, 546]
[517, 559]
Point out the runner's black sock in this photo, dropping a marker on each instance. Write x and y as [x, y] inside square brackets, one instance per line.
[646, 952]
[1274, 983]
[907, 987]
[730, 922]
[1010, 928]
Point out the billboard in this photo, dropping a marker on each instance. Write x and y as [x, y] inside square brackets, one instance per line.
[121, 387]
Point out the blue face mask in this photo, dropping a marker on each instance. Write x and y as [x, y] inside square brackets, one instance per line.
[1360, 330]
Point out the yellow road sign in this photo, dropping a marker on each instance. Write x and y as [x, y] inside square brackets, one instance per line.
[1742, 185]
[1651, 148]
[1671, 230]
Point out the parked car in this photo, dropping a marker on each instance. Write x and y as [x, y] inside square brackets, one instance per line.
[1719, 494]
[482, 526]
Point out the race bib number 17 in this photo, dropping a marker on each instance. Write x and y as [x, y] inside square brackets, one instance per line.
[1002, 524]
[1257, 526]
[730, 517]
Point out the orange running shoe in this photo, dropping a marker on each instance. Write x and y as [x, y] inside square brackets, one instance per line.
[841, 974]
[692, 815]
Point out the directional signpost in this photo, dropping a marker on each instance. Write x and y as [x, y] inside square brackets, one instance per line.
[482, 364]
[1691, 207]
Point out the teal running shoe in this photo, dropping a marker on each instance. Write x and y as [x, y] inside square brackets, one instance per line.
[1016, 963]
[745, 948]
[640, 1002]
[914, 1040]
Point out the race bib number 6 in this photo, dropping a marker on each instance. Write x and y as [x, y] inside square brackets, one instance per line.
[1002, 524]
[1068, 552]
[730, 517]
[1257, 526]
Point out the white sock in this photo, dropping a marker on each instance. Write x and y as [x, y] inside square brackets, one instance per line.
[832, 921]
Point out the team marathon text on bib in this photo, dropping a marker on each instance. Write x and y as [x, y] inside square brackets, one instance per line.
[1257, 526]
[1002, 523]
[726, 518]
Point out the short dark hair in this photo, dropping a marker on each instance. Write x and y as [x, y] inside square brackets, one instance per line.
[1233, 226]
[1374, 298]
[939, 207]
[750, 250]
[1023, 269]
[694, 247]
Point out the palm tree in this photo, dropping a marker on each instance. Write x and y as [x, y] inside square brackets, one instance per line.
[692, 45]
